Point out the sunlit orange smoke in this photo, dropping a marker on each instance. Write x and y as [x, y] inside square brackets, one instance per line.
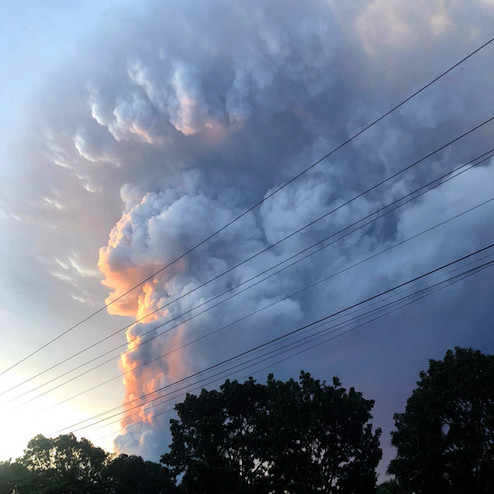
[121, 275]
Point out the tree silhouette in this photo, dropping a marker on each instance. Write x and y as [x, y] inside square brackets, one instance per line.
[66, 465]
[14, 477]
[445, 438]
[282, 437]
[389, 487]
[133, 475]
[62, 464]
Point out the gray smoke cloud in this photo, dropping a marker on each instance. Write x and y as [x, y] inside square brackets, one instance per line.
[193, 112]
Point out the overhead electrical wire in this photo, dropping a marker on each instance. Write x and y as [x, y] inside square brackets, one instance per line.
[243, 318]
[397, 203]
[266, 356]
[285, 349]
[342, 323]
[375, 186]
[168, 399]
[251, 208]
[279, 338]
[384, 210]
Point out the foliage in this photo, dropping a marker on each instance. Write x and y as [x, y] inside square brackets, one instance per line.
[389, 487]
[13, 476]
[132, 475]
[70, 466]
[215, 442]
[445, 438]
[282, 437]
[63, 464]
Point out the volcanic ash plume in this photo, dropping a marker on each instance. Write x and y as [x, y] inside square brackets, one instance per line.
[191, 133]
[149, 236]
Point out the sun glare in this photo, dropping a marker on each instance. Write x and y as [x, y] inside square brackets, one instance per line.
[22, 421]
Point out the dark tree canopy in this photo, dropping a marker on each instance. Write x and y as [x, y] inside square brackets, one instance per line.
[133, 475]
[445, 438]
[215, 441]
[66, 465]
[63, 464]
[390, 487]
[282, 437]
[12, 477]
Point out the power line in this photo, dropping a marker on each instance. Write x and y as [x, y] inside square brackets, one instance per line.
[473, 271]
[331, 329]
[383, 211]
[373, 216]
[427, 292]
[251, 208]
[243, 318]
[375, 186]
[279, 338]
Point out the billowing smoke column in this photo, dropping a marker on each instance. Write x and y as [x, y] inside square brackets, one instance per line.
[196, 110]
[207, 107]
[150, 235]
[224, 103]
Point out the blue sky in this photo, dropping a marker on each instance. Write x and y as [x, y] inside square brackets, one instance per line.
[131, 132]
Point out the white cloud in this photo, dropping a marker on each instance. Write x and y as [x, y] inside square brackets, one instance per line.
[169, 124]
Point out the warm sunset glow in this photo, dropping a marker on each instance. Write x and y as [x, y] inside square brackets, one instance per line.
[226, 177]
[20, 423]
[119, 277]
